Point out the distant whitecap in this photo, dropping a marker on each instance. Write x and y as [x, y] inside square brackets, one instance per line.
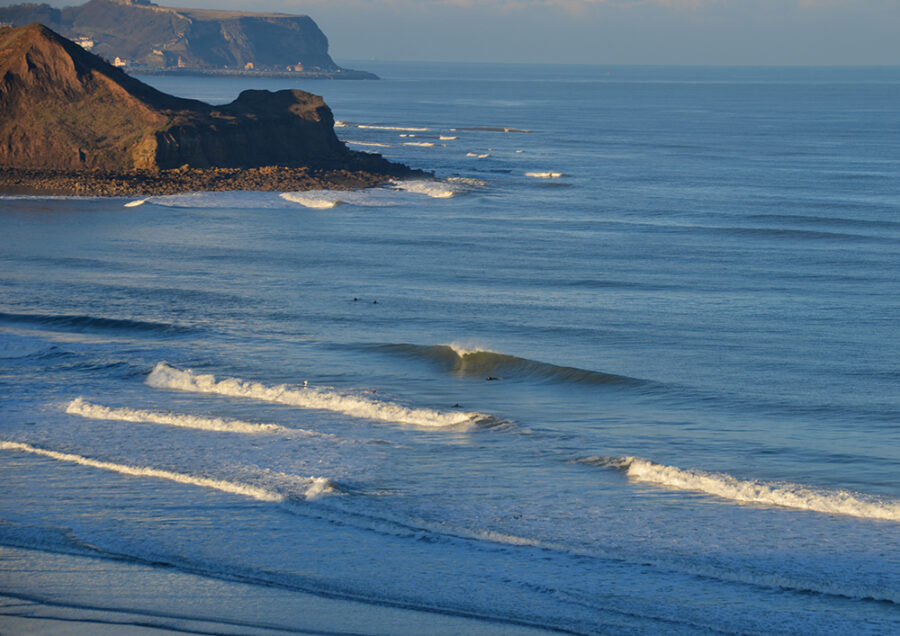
[544, 175]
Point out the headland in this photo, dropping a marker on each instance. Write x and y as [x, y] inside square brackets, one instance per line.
[75, 124]
[143, 37]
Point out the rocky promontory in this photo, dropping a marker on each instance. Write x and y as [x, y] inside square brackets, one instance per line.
[149, 38]
[68, 116]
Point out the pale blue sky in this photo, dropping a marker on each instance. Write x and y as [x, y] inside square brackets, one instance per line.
[690, 32]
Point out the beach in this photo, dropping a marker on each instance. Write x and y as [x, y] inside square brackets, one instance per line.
[67, 594]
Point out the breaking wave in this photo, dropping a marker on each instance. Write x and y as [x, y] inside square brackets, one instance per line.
[366, 143]
[434, 189]
[503, 129]
[164, 376]
[480, 363]
[787, 495]
[392, 194]
[83, 408]
[400, 128]
[544, 175]
[314, 487]
[317, 199]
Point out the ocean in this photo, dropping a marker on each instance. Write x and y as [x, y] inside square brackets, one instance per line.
[629, 367]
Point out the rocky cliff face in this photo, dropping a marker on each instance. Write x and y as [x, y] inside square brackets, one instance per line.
[147, 34]
[64, 108]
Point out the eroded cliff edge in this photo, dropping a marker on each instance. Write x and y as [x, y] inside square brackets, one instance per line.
[65, 110]
[148, 37]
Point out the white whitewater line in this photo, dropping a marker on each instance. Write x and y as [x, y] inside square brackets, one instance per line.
[315, 486]
[403, 128]
[422, 144]
[434, 189]
[134, 204]
[776, 494]
[310, 200]
[164, 376]
[144, 471]
[463, 351]
[81, 407]
[366, 143]
[544, 175]
[478, 156]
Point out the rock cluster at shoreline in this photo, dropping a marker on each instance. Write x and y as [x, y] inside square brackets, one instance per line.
[179, 180]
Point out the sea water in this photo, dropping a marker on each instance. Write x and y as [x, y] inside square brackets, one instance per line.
[630, 366]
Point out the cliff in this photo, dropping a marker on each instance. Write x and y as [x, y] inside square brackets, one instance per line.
[66, 109]
[147, 35]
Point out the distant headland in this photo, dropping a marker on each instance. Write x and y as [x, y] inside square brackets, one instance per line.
[74, 124]
[143, 37]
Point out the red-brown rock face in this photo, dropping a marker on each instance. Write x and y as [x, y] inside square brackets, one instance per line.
[64, 108]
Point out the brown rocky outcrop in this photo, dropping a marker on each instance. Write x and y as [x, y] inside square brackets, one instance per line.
[62, 108]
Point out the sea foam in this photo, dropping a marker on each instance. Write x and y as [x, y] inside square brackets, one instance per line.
[313, 487]
[366, 143]
[751, 491]
[544, 175]
[396, 193]
[400, 128]
[433, 189]
[83, 408]
[317, 199]
[164, 376]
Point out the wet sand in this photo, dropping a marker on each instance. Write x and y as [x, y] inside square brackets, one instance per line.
[49, 593]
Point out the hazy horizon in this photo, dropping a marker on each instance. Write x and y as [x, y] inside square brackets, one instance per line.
[613, 32]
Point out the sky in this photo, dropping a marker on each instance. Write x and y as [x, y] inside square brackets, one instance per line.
[681, 32]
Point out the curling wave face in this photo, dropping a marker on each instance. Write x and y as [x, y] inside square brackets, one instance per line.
[478, 363]
[788, 495]
[164, 376]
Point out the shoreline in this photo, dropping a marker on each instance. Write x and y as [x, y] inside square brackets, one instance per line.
[104, 183]
[50, 592]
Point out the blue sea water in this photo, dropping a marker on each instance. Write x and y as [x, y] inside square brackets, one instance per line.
[631, 366]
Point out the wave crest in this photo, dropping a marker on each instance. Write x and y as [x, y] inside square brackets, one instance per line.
[164, 376]
[313, 487]
[434, 189]
[83, 408]
[723, 485]
[475, 362]
[91, 323]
